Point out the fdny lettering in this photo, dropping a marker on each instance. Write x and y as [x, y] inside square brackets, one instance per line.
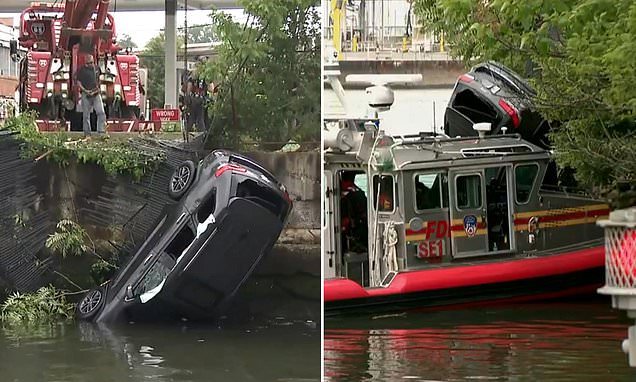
[439, 228]
[430, 249]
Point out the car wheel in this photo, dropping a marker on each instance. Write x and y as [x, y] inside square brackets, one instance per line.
[91, 303]
[181, 180]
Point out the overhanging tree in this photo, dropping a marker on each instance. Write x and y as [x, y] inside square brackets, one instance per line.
[579, 56]
[126, 42]
[268, 69]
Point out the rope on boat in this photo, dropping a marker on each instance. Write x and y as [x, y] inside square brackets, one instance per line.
[390, 239]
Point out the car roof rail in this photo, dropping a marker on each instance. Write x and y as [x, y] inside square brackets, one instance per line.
[504, 73]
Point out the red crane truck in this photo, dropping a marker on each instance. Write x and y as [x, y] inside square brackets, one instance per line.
[57, 38]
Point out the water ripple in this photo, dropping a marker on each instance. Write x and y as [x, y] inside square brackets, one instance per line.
[534, 343]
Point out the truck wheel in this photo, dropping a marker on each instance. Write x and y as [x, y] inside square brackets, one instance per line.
[181, 180]
[91, 303]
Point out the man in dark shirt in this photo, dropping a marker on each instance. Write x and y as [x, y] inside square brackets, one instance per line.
[91, 99]
[195, 102]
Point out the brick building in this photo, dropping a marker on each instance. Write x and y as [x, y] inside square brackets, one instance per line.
[9, 70]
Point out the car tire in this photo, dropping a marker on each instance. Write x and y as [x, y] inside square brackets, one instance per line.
[91, 303]
[181, 180]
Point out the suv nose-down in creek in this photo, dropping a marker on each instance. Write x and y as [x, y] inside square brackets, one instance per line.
[228, 213]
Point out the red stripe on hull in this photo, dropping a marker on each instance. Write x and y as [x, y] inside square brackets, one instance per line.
[470, 275]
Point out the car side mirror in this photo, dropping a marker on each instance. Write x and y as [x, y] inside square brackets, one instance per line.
[129, 293]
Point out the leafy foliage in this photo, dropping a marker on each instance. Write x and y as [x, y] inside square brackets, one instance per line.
[116, 157]
[70, 239]
[579, 57]
[201, 34]
[268, 68]
[102, 270]
[46, 305]
[126, 42]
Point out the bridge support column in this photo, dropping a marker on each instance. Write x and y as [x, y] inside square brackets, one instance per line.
[170, 84]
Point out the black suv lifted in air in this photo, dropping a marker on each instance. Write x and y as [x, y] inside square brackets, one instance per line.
[491, 92]
[229, 212]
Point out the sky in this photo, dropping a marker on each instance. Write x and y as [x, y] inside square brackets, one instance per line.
[142, 26]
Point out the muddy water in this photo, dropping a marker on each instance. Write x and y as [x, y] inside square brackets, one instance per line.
[530, 342]
[278, 351]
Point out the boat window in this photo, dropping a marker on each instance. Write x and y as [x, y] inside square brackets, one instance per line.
[207, 207]
[525, 176]
[184, 238]
[468, 189]
[428, 191]
[155, 275]
[360, 180]
[383, 193]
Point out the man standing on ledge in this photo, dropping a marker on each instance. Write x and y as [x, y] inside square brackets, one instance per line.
[91, 99]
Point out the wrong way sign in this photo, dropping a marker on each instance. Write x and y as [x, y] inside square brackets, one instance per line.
[165, 115]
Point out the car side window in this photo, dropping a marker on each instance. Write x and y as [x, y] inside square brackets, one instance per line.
[155, 275]
[207, 208]
[181, 242]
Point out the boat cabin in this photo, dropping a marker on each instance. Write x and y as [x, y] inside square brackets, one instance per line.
[403, 203]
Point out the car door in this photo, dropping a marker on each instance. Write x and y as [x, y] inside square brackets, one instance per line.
[469, 233]
[244, 232]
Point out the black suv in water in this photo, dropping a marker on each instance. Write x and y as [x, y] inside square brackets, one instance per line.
[229, 212]
[493, 93]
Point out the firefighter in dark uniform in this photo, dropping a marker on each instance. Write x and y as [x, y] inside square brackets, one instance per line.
[353, 212]
[195, 100]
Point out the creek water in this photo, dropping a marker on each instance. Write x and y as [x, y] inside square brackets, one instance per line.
[576, 341]
[84, 352]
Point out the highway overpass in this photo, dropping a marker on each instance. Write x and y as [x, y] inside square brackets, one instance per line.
[16, 6]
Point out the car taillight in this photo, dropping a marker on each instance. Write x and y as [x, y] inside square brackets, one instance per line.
[511, 111]
[229, 167]
[466, 78]
[286, 196]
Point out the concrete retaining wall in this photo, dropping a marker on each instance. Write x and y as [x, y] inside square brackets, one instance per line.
[442, 73]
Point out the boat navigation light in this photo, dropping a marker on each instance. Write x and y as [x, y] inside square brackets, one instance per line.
[482, 128]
